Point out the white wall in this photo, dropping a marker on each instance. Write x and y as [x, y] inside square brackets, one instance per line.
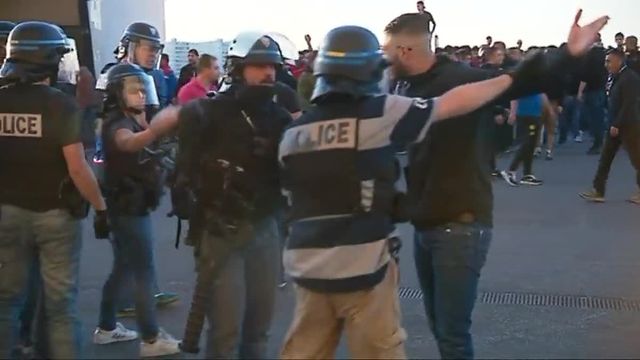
[110, 17]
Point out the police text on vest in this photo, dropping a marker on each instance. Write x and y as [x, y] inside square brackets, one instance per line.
[21, 125]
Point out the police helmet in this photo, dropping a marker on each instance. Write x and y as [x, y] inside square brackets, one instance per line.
[34, 51]
[140, 34]
[128, 78]
[5, 29]
[349, 61]
[250, 48]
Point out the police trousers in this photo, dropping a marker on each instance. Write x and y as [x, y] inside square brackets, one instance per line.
[370, 318]
[53, 237]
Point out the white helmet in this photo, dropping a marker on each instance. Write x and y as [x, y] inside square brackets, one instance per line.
[255, 47]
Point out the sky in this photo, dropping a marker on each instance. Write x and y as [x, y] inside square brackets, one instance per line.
[536, 22]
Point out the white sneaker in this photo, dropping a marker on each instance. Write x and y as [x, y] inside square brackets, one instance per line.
[509, 177]
[578, 137]
[165, 344]
[120, 333]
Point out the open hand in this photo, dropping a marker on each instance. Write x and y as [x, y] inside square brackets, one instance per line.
[581, 38]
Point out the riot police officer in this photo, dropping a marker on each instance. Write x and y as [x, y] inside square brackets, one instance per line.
[339, 172]
[227, 157]
[5, 29]
[140, 44]
[43, 183]
[133, 181]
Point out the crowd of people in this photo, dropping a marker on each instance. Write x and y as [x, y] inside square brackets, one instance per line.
[325, 130]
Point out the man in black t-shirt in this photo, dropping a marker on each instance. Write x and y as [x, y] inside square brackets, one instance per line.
[431, 21]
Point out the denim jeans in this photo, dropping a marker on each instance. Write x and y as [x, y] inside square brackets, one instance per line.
[243, 297]
[55, 238]
[448, 261]
[132, 257]
[593, 110]
[570, 118]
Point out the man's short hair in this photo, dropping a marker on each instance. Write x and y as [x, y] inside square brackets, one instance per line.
[420, 3]
[205, 62]
[409, 23]
[164, 57]
[620, 35]
[194, 52]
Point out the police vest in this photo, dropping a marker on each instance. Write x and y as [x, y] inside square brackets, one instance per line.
[36, 121]
[218, 148]
[339, 173]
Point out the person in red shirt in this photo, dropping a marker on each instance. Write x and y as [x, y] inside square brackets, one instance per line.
[208, 73]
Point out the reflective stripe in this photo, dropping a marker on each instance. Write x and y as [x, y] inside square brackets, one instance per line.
[341, 262]
[376, 132]
[367, 188]
[39, 42]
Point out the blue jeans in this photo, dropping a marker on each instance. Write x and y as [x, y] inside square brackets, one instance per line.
[54, 237]
[243, 297]
[448, 261]
[570, 118]
[593, 110]
[132, 256]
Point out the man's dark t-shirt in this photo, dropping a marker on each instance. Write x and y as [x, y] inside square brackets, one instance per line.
[594, 72]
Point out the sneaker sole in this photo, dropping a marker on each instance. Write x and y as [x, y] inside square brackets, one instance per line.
[530, 183]
[111, 341]
[173, 352]
[508, 180]
[636, 202]
[595, 200]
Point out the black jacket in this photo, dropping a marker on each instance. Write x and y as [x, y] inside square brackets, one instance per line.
[624, 99]
[449, 171]
[594, 72]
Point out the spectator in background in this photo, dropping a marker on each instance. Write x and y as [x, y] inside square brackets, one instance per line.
[514, 56]
[519, 43]
[307, 81]
[188, 71]
[619, 41]
[464, 55]
[624, 111]
[632, 53]
[592, 94]
[431, 21]
[502, 132]
[489, 41]
[169, 77]
[528, 112]
[206, 79]
[570, 115]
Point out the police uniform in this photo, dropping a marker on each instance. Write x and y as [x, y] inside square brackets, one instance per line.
[228, 157]
[36, 122]
[133, 183]
[339, 172]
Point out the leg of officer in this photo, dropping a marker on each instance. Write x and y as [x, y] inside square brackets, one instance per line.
[260, 275]
[459, 253]
[373, 319]
[14, 270]
[133, 254]
[59, 242]
[315, 330]
[225, 311]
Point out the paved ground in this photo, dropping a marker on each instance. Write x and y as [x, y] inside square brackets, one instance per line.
[546, 241]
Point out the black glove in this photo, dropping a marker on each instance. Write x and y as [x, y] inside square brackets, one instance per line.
[101, 226]
[537, 71]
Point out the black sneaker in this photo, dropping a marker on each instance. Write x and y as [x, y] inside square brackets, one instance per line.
[530, 180]
[509, 177]
[495, 173]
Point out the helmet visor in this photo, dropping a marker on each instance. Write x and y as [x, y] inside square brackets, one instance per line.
[69, 65]
[145, 53]
[139, 91]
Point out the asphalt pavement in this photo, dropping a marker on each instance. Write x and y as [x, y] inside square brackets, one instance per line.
[561, 279]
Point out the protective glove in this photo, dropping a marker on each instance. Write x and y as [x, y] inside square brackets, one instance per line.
[101, 226]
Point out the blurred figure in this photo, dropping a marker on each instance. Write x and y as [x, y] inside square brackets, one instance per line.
[619, 41]
[632, 53]
[431, 22]
[169, 77]
[188, 71]
[208, 74]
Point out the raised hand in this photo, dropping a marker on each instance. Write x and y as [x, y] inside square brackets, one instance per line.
[581, 38]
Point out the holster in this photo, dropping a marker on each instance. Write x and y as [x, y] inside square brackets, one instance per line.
[72, 200]
[130, 197]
